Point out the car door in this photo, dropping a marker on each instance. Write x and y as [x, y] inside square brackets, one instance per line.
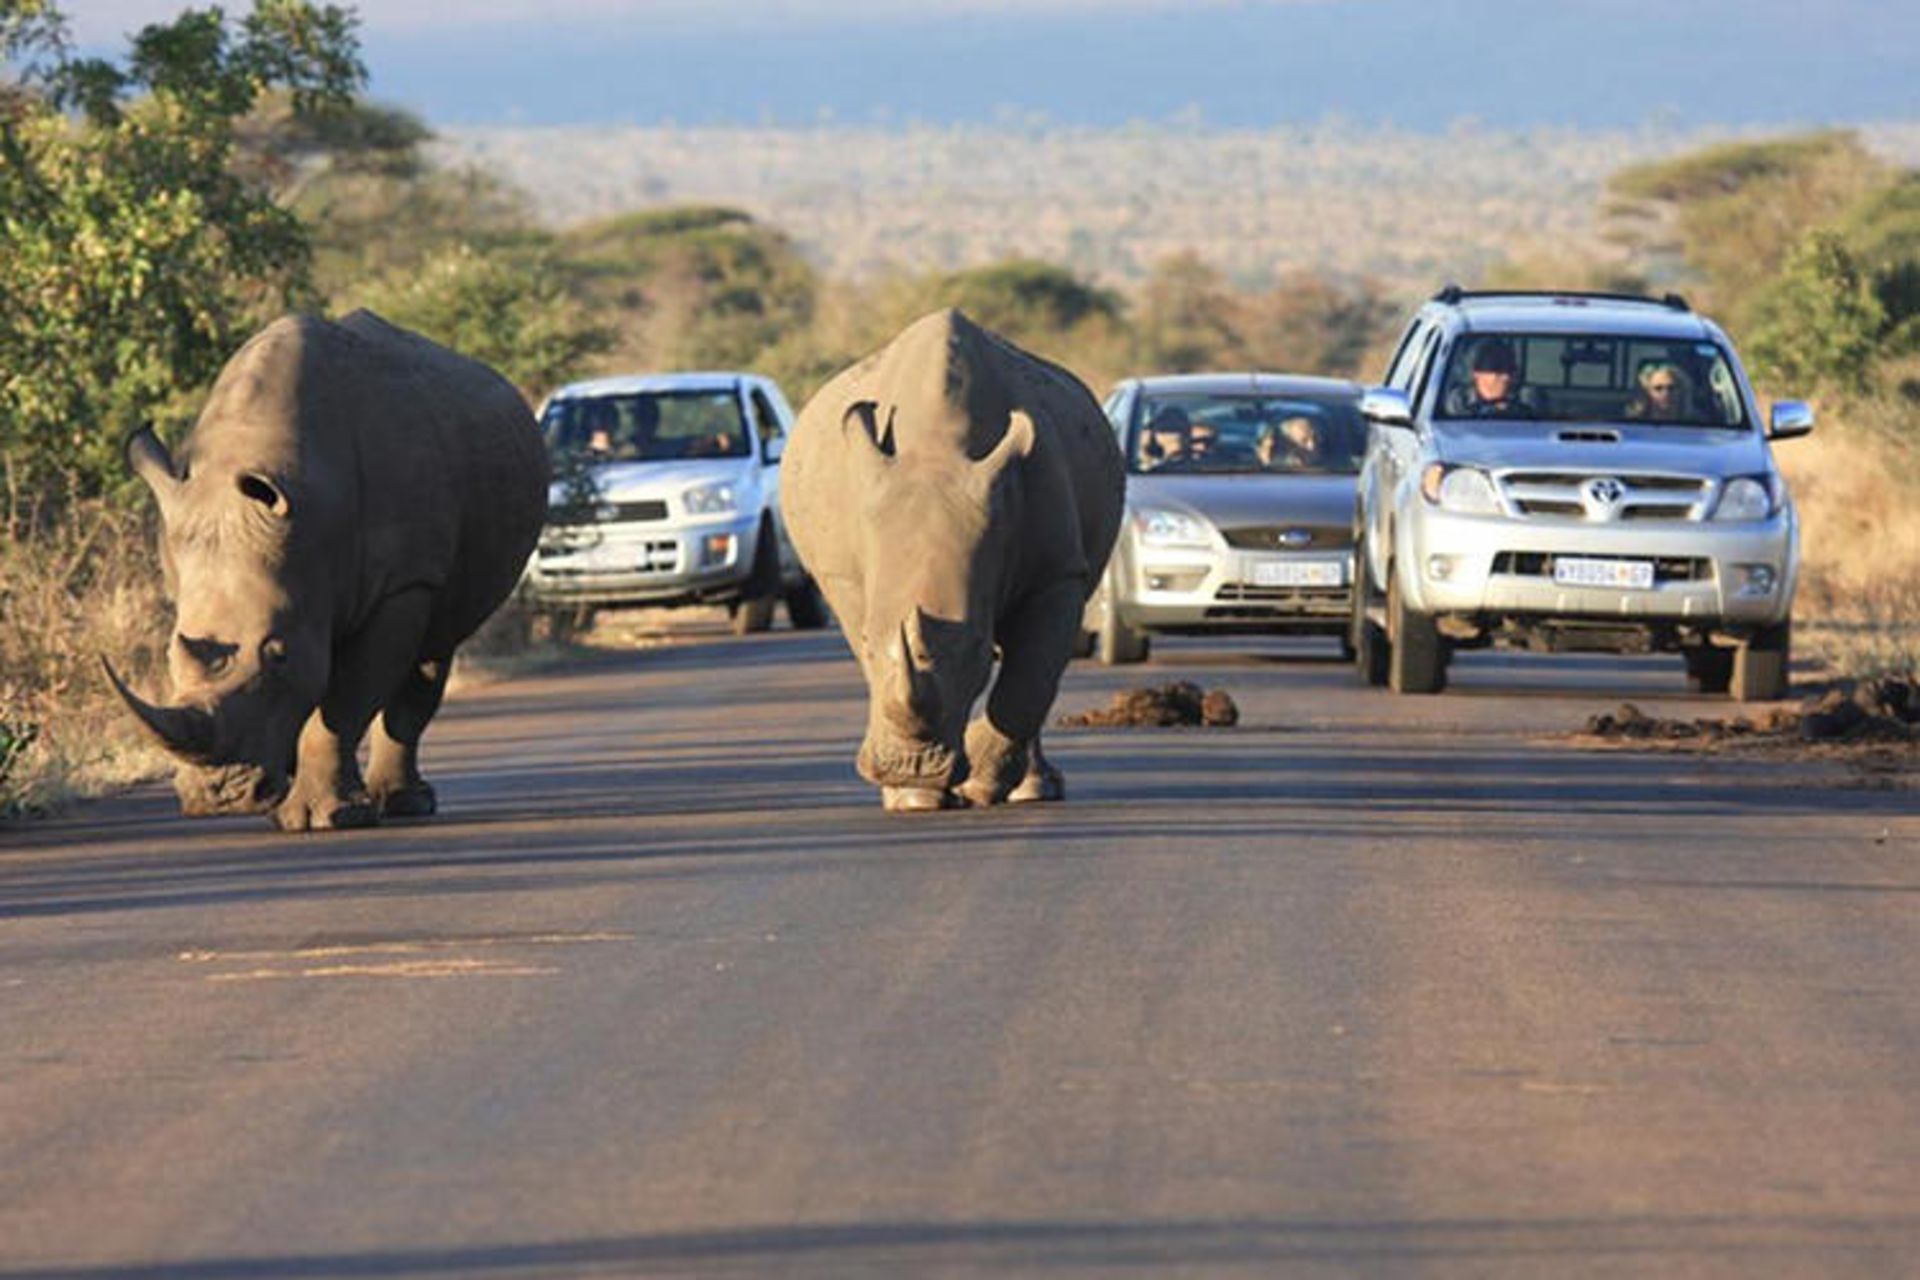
[1392, 450]
[767, 411]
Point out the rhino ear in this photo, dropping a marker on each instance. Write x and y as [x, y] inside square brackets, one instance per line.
[150, 460]
[1016, 443]
[862, 419]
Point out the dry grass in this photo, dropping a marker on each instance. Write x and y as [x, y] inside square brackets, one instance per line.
[1858, 492]
[85, 588]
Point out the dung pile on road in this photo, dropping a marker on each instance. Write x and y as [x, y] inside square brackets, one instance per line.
[1169, 705]
[1878, 712]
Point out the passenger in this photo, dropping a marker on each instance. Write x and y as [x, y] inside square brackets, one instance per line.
[1201, 440]
[1494, 391]
[1666, 394]
[1293, 444]
[1167, 441]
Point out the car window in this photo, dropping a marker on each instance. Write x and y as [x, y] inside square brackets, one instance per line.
[766, 422]
[1396, 367]
[1592, 378]
[1228, 434]
[647, 426]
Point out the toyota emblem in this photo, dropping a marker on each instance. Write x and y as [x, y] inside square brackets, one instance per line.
[1294, 537]
[1602, 495]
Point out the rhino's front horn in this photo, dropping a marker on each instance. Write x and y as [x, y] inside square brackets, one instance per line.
[184, 731]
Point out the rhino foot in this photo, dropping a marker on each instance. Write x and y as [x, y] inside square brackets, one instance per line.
[324, 813]
[1042, 784]
[917, 799]
[414, 800]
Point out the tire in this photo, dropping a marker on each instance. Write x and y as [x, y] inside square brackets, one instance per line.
[1117, 644]
[806, 607]
[1417, 662]
[1760, 665]
[754, 612]
[1709, 670]
[1366, 643]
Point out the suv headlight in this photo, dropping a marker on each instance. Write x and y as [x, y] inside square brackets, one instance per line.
[1467, 490]
[1171, 529]
[709, 500]
[1746, 498]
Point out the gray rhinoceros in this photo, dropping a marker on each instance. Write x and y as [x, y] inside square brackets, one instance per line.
[353, 502]
[954, 495]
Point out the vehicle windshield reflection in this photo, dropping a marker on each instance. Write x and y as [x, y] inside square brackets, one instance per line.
[1248, 435]
[664, 426]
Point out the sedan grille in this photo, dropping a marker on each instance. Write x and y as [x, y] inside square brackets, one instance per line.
[1288, 537]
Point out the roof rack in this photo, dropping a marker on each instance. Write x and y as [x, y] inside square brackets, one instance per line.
[1454, 293]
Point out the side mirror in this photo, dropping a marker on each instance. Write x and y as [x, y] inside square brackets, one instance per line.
[770, 450]
[1386, 406]
[1789, 418]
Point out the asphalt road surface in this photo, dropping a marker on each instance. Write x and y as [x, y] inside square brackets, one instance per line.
[1366, 986]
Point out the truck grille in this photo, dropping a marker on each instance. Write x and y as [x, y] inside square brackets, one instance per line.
[1560, 494]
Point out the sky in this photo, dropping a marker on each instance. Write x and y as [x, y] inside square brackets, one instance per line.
[1417, 64]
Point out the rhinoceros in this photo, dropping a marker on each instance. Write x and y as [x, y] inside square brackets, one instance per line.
[352, 503]
[955, 497]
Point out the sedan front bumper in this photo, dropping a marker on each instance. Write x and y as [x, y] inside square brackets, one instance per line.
[1196, 590]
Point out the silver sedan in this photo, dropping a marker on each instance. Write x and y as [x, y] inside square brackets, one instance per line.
[1240, 504]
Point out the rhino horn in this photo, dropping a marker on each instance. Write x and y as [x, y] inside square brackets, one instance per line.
[153, 464]
[186, 732]
[911, 677]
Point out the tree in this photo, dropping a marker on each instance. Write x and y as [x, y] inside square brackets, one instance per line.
[1190, 319]
[512, 312]
[1819, 323]
[136, 254]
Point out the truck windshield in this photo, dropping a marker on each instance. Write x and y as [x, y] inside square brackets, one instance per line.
[1247, 433]
[646, 426]
[1591, 378]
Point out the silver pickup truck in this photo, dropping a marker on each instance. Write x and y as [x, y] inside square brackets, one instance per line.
[667, 493]
[1573, 471]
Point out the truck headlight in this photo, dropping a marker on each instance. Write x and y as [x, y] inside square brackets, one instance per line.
[1746, 498]
[1467, 490]
[1171, 529]
[709, 500]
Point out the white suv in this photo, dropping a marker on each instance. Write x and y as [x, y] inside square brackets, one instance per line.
[667, 492]
[1573, 471]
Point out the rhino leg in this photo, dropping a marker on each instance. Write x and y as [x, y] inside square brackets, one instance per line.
[393, 772]
[327, 790]
[1004, 761]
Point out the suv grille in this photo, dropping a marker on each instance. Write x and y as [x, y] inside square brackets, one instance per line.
[1559, 493]
[608, 513]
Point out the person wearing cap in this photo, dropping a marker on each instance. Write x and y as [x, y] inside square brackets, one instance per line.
[1493, 389]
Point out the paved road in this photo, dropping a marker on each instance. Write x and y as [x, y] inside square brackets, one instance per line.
[1364, 987]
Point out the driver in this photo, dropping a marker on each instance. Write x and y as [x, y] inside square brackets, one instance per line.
[1169, 439]
[1494, 387]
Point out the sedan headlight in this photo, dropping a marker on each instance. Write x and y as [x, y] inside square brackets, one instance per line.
[1746, 498]
[709, 500]
[1172, 529]
[1467, 490]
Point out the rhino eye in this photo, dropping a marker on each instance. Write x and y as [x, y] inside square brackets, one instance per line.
[264, 492]
[212, 656]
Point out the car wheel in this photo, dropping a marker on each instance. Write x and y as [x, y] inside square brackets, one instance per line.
[755, 610]
[1117, 644]
[806, 607]
[1709, 670]
[1760, 664]
[1365, 644]
[1417, 662]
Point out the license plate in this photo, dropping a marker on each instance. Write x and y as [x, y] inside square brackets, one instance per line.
[1635, 575]
[1299, 573]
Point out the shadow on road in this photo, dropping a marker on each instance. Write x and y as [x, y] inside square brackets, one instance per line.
[908, 1248]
